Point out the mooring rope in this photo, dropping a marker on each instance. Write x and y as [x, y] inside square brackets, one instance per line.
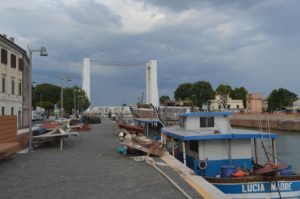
[150, 161]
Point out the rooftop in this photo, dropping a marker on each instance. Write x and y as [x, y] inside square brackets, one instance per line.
[207, 134]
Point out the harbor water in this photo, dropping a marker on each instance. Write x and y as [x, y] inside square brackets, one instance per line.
[288, 148]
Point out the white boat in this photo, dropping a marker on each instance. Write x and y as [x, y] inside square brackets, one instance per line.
[229, 159]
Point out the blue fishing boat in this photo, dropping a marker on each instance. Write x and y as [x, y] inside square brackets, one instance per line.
[241, 163]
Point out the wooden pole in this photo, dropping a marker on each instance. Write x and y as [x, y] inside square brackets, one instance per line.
[147, 129]
[184, 153]
[255, 150]
[173, 151]
[274, 151]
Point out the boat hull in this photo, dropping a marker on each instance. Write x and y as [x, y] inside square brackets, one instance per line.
[289, 187]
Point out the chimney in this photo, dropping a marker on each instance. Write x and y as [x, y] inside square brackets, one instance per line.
[12, 39]
[4, 35]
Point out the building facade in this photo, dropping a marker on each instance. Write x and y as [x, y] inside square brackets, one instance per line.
[221, 103]
[254, 103]
[14, 85]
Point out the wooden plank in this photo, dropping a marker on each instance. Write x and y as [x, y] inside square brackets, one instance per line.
[8, 136]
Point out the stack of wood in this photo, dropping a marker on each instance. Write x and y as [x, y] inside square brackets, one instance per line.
[132, 136]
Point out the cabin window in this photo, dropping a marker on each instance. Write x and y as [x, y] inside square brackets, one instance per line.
[194, 146]
[207, 121]
[181, 122]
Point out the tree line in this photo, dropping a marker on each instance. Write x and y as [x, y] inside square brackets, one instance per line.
[201, 92]
[47, 95]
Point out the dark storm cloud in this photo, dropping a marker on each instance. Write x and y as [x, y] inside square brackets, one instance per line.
[242, 43]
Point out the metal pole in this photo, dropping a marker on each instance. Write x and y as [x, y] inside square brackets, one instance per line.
[74, 102]
[61, 100]
[43, 52]
[30, 100]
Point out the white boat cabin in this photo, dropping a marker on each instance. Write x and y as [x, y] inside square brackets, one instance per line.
[205, 142]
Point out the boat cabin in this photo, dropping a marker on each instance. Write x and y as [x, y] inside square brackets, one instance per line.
[152, 127]
[205, 142]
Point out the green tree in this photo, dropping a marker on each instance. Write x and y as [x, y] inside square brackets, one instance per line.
[163, 99]
[183, 92]
[198, 92]
[79, 94]
[45, 92]
[278, 99]
[46, 105]
[239, 93]
[223, 89]
[201, 92]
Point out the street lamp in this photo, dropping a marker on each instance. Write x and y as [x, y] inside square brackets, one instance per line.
[62, 78]
[75, 108]
[43, 52]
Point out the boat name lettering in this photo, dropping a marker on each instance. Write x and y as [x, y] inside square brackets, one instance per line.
[259, 187]
[283, 186]
[252, 188]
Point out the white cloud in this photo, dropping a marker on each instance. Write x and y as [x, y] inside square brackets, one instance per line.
[135, 16]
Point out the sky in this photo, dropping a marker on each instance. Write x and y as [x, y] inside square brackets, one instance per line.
[253, 43]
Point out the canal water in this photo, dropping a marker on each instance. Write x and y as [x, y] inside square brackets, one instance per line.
[288, 148]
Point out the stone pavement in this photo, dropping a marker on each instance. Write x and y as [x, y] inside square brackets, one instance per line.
[88, 168]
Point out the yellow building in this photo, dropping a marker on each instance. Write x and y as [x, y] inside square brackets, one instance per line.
[14, 80]
[221, 103]
[254, 103]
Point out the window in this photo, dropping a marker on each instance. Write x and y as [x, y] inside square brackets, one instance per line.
[207, 121]
[228, 106]
[13, 61]
[181, 122]
[3, 56]
[12, 110]
[20, 64]
[3, 84]
[20, 88]
[3, 110]
[12, 87]
[194, 146]
[237, 106]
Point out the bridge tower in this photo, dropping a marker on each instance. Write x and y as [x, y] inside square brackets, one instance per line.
[151, 83]
[86, 76]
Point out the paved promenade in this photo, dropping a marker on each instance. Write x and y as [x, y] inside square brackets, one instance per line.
[88, 168]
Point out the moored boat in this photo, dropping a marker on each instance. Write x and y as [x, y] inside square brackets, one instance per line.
[231, 159]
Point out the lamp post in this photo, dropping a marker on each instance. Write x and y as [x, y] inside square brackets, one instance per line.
[74, 108]
[62, 78]
[43, 52]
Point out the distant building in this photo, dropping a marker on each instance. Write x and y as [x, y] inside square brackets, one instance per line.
[105, 111]
[14, 83]
[254, 103]
[265, 104]
[296, 105]
[221, 103]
